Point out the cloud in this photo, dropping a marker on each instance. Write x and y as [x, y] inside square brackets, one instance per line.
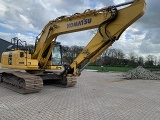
[3, 9]
[151, 17]
[29, 38]
[26, 19]
[151, 43]
[7, 26]
[78, 38]
[128, 44]
[152, 35]
[24, 16]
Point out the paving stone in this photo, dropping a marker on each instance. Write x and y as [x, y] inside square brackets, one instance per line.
[97, 96]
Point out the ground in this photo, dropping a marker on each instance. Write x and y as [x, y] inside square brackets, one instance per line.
[96, 96]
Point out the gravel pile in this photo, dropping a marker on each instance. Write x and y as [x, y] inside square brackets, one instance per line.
[141, 73]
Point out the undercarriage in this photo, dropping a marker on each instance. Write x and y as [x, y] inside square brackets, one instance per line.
[24, 82]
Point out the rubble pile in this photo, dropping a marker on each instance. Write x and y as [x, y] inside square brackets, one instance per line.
[141, 73]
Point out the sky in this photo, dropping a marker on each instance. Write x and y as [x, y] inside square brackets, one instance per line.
[26, 18]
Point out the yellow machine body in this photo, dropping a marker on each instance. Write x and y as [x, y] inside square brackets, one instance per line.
[110, 21]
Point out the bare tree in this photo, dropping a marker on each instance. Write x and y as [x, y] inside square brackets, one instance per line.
[140, 60]
[159, 61]
[120, 54]
[133, 56]
[149, 60]
[70, 53]
[155, 60]
[133, 59]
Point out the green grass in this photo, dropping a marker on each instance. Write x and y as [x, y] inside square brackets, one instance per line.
[118, 69]
[110, 68]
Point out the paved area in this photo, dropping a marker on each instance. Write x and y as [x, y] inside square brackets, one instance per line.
[97, 96]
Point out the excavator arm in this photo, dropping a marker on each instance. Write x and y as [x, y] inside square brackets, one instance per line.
[109, 21]
[108, 32]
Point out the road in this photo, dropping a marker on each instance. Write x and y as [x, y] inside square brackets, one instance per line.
[96, 96]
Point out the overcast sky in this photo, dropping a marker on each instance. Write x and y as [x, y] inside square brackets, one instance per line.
[26, 18]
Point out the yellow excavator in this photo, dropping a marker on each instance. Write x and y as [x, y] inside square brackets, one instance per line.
[31, 69]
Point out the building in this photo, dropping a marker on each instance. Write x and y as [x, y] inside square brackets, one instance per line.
[3, 46]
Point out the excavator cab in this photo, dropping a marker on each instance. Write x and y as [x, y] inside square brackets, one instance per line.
[45, 63]
[56, 56]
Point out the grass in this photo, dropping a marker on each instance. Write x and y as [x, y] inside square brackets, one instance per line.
[118, 69]
[110, 68]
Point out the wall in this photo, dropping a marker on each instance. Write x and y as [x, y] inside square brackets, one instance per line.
[3, 46]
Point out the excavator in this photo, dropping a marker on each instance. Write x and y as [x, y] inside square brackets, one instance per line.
[27, 71]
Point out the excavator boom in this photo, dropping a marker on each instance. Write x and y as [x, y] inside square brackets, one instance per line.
[88, 20]
[108, 32]
[111, 22]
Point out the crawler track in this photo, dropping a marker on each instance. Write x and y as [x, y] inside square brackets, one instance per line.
[71, 81]
[21, 82]
[25, 83]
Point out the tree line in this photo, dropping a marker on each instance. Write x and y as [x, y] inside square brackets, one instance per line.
[112, 57]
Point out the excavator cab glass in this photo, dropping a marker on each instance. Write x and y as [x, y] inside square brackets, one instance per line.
[57, 55]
